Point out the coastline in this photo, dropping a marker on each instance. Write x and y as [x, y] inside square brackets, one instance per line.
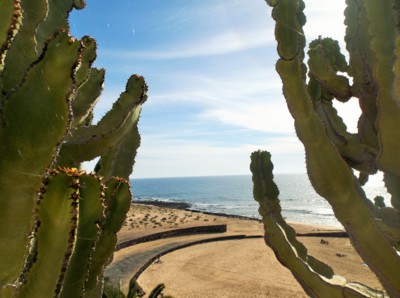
[180, 268]
[189, 207]
[326, 230]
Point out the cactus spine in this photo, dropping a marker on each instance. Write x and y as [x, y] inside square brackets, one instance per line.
[331, 152]
[58, 224]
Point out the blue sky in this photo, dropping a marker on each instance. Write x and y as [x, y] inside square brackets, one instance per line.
[214, 95]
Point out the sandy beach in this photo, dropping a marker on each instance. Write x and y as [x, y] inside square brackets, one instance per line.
[235, 263]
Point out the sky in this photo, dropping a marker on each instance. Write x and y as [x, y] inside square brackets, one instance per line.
[214, 95]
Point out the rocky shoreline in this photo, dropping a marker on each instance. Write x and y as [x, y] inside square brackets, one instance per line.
[164, 204]
[188, 207]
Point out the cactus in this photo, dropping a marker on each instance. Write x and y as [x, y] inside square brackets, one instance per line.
[58, 224]
[316, 278]
[111, 291]
[157, 291]
[331, 152]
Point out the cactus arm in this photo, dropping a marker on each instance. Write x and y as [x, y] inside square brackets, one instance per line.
[45, 91]
[357, 154]
[384, 34]
[133, 287]
[41, 19]
[90, 213]
[92, 145]
[21, 53]
[396, 70]
[56, 19]
[362, 63]
[119, 160]
[157, 291]
[324, 63]
[290, 39]
[88, 82]
[370, 109]
[86, 143]
[79, 4]
[340, 189]
[392, 183]
[357, 40]
[316, 278]
[118, 199]
[86, 97]
[388, 220]
[10, 16]
[88, 55]
[55, 235]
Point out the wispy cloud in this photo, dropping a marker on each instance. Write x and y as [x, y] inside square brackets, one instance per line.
[219, 43]
[325, 18]
[214, 95]
[251, 101]
[162, 157]
[272, 117]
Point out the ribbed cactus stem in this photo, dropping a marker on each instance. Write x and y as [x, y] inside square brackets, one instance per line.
[87, 142]
[383, 29]
[117, 201]
[56, 228]
[90, 213]
[26, 128]
[316, 278]
[58, 224]
[331, 152]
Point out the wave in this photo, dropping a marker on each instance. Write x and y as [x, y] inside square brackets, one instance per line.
[233, 195]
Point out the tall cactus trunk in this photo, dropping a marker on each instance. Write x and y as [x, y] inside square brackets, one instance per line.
[332, 153]
[58, 224]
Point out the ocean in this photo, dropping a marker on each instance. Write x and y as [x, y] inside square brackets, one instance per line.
[234, 195]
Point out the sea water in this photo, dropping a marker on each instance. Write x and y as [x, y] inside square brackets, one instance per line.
[234, 195]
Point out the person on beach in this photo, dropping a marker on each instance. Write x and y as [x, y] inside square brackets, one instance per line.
[158, 260]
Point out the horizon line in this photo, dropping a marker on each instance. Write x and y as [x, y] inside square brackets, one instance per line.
[208, 176]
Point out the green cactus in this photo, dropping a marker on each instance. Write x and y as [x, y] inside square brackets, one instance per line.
[118, 199]
[331, 152]
[157, 291]
[111, 291]
[58, 224]
[317, 278]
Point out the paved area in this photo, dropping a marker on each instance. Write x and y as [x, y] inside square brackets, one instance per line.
[128, 261]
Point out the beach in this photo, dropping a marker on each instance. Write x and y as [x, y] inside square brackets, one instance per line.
[219, 263]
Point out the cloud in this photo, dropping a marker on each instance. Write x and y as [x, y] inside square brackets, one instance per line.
[270, 117]
[325, 18]
[251, 101]
[220, 43]
[160, 156]
[214, 95]
[240, 99]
